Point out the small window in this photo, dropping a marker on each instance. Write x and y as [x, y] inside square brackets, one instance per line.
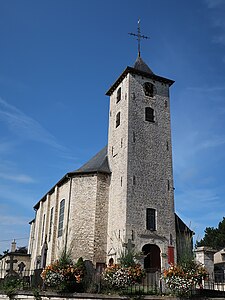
[134, 138]
[150, 219]
[118, 119]
[149, 89]
[171, 239]
[61, 217]
[118, 96]
[149, 114]
[166, 104]
[134, 180]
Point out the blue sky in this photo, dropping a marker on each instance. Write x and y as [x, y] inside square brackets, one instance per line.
[57, 60]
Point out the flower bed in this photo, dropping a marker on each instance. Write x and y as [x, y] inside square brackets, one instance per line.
[118, 277]
[182, 279]
[64, 276]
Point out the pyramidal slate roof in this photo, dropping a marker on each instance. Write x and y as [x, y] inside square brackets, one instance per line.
[98, 163]
[140, 65]
[139, 68]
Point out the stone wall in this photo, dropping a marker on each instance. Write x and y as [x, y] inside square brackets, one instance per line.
[54, 296]
[40, 228]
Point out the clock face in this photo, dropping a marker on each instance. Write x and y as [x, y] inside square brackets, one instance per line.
[149, 89]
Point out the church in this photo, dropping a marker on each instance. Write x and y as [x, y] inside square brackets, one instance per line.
[124, 195]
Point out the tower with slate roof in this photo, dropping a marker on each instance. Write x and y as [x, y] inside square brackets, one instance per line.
[124, 196]
[141, 193]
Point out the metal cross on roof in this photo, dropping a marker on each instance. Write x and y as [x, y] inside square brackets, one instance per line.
[139, 37]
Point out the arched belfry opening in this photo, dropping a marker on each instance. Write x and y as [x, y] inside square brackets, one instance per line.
[152, 260]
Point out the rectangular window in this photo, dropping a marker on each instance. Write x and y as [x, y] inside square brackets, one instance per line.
[150, 219]
[50, 224]
[118, 97]
[61, 217]
[118, 119]
[149, 114]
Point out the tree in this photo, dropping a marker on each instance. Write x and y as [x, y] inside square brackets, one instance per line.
[214, 237]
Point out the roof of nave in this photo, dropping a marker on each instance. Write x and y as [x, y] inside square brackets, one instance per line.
[97, 164]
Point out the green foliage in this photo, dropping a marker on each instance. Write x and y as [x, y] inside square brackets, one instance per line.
[65, 258]
[127, 258]
[214, 237]
[36, 294]
[11, 285]
[63, 275]
[125, 274]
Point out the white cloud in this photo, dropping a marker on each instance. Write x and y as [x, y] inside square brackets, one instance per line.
[10, 220]
[201, 198]
[6, 146]
[214, 3]
[217, 10]
[220, 39]
[9, 172]
[211, 143]
[25, 127]
[18, 196]
[207, 89]
[22, 178]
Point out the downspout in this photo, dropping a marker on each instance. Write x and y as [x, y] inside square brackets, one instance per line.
[68, 212]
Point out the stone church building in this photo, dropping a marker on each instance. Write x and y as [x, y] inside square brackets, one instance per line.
[124, 195]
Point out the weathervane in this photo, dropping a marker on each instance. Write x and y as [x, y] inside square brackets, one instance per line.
[139, 37]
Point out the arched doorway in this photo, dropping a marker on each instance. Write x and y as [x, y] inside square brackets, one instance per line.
[152, 260]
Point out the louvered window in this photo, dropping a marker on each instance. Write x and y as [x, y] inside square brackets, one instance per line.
[149, 114]
[149, 89]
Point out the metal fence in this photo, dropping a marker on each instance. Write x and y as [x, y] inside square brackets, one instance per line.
[28, 278]
[152, 284]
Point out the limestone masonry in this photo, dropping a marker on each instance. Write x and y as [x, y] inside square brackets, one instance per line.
[123, 196]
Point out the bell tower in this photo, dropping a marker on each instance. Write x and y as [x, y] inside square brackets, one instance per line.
[141, 193]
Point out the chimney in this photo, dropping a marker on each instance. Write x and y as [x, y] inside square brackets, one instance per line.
[13, 246]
